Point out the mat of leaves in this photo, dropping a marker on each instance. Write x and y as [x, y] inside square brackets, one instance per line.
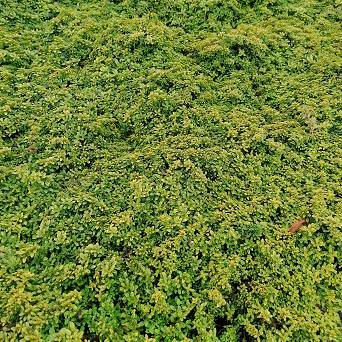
[154, 155]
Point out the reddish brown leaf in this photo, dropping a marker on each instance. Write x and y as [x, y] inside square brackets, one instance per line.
[295, 226]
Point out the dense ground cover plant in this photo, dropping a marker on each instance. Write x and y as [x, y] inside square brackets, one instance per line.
[154, 155]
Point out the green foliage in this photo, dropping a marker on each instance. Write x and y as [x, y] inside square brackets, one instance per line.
[154, 155]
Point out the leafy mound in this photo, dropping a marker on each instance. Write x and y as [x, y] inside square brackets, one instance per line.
[154, 155]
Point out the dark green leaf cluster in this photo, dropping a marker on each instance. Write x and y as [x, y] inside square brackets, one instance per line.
[153, 155]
